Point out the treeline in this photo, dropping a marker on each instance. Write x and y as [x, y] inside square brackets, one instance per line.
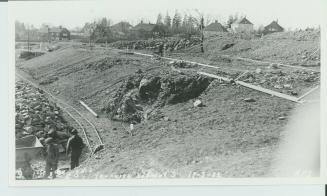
[103, 30]
[24, 32]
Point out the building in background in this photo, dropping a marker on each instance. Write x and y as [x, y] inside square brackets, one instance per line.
[144, 30]
[214, 29]
[242, 25]
[58, 33]
[273, 27]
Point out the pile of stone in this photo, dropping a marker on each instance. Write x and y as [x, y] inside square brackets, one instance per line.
[36, 115]
[171, 44]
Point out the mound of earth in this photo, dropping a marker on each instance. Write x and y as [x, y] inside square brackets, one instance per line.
[172, 43]
[26, 55]
[295, 47]
[142, 91]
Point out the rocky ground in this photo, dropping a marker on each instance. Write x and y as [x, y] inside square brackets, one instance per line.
[171, 44]
[186, 125]
[37, 115]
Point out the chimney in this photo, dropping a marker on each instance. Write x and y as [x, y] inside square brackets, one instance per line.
[60, 27]
[216, 21]
[141, 21]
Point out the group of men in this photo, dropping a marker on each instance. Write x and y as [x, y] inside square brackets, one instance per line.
[74, 146]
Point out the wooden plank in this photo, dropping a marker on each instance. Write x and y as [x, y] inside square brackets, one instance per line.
[214, 76]
[191, 62]
[142, 54]
[238, 77]
[307, 93]
[88, 108]
[268, 91]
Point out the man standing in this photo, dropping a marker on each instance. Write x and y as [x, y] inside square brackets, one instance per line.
[161, 48]
[52, 158]
[75, 145]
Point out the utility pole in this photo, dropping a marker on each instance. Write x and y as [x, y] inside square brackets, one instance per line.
[202, 32]
[201, 25]
[28, 38]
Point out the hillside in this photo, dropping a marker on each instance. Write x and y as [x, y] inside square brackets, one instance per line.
[226, 137]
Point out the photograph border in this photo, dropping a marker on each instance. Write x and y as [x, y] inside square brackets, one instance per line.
[159, 181]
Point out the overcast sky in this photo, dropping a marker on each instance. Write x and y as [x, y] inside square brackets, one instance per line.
[290, 13]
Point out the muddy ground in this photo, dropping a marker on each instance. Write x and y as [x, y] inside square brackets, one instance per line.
[226, 137]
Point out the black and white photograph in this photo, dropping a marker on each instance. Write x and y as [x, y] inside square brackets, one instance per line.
[166, 90]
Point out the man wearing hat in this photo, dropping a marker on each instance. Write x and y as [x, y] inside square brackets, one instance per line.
[75, 145]
[52, 157]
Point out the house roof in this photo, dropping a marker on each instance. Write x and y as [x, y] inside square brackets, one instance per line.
[121, 27]
[57, 30]
[122, 24]
[44, 30]
[274, 25]
[215, 26]
[144, 26]
[243, 20]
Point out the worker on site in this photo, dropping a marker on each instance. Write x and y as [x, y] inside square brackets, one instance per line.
[75, 145]
[52, 157]
[161, 48]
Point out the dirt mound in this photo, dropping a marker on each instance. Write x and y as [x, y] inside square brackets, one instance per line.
[141, 93]
[26, 55]
[294, 47]
[172, 43]
[106, 63]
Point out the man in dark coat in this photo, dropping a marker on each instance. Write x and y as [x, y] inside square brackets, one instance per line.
[52, 157]
[75, 145]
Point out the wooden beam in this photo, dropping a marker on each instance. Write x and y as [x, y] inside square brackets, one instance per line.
[268, 91]
[88, 108]
[307, 93]
[238, 77]
[191, 62]
[214, 76]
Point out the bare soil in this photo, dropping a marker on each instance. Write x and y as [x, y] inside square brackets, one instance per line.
[228, 137]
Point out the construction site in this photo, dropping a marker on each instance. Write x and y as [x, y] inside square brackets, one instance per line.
[181, 113]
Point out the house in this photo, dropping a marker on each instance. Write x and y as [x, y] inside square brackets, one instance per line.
[214, 29]
[144, 30]
[122, 27]
[243, 25]
[272, 28]
[58, 33]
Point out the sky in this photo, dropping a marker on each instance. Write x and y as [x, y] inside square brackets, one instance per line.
[291, 14]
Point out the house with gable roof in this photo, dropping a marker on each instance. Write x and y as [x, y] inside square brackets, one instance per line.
[243, 25]
[214, 29]
[273, 27]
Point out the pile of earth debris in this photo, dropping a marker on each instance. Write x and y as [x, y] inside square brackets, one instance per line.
[109, 62]
[27, 55]
[271, 77]
[171, 44]
[36, 115]
[293, 83]
[141, 95]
